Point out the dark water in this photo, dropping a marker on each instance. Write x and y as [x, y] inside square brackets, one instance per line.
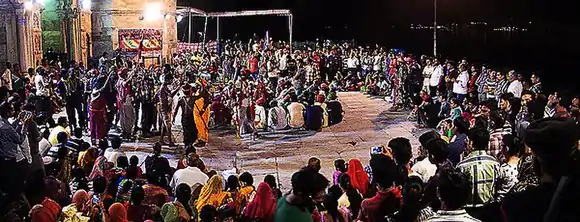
[549, 50]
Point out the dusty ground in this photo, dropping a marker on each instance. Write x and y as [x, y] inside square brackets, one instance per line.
[366, 123]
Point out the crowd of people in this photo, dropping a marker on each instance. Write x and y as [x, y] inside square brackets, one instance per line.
[501, 150]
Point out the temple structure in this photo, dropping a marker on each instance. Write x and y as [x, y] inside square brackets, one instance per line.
[20, 33]
[81, 29]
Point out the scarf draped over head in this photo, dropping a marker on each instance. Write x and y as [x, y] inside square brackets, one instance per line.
[47, 211]
[242, 198]
[263, 206]
[212, 193]
[117, 213]
[174, 212]
[80, 199]
[98, 167]
[358, 176]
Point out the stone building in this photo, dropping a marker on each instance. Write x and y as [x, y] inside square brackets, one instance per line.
[80, 29]
[20, 33]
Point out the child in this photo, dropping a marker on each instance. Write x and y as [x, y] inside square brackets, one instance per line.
[340, 168]
[133, 162]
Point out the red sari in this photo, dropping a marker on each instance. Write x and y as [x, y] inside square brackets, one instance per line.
[98, 118]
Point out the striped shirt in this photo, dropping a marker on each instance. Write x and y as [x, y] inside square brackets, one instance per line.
[497, 148]
[491, 84]
[502, 87]
[452, 215]
[483, 171]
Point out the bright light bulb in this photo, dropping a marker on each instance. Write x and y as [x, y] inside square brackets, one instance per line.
[86, 4]
[152, 12]
[28, 5]
[179, 18]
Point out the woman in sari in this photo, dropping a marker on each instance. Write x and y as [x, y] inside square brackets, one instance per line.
[117, 213]
[245, 193]
[212, 194]
[79, 210]
[201, 113]
[358, 176]
[98, 120]
[87, 159]
[263, 206]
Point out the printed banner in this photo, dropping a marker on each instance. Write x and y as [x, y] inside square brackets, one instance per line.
[184, 46]
[148, 40]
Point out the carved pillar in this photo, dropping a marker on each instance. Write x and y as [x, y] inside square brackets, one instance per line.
[20, 26]
[85, 36]
[102, 27]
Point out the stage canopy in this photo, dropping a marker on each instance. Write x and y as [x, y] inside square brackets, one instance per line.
[193, 12]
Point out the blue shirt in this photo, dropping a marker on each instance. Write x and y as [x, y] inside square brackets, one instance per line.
[10, 139]
[456, 148]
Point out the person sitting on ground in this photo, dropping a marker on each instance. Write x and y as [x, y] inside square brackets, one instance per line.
[190, 175]
[350, 197]
[314, 117]
[296, 113]
[387, 200]
[339, 169]
[74, 144]
[113, 153]
[52, 153]
[61, 127]
[136, 210]
[314, 163]
[554, 145]
[271, 180]
[79, 181]
[134, 162]
[453, 191]
[308, 189]
[155, 193]
[278, 117]
[157, 163]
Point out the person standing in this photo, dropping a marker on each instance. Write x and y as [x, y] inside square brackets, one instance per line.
[164, 94]
[6, 78]
[148, 107]
[201, 113]
[480, 83]
[187, 118]
[73, 97]
[460, 84]
[98, 109]
[125, 100]
[515, 87]
[435, 79]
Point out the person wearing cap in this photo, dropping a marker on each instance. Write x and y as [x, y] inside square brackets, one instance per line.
[554, 145]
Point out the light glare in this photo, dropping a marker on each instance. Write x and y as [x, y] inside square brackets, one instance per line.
[86, 5]
[152, 12]
[28, 5]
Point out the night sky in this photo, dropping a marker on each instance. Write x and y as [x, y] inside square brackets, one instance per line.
[359, 13]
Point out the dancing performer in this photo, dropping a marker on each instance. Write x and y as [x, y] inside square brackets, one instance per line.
[201, 114]
[164, 110]
[187, 104]
[98, 111]
[125, 101]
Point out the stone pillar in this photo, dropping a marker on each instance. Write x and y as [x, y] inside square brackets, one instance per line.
[85, 36]
[102, 27]
[22, 48]
[169, 30]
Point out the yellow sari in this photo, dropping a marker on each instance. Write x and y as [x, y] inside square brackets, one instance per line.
[212, 194]
[201, 120]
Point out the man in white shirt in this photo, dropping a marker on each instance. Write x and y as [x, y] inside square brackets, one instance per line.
[352, 64]
[7, 77]
[460, 84]
[435, 79]
[190, 175]
[114, 152]
[427, 71]
[103, 60]
[515, 86]
[296, 111]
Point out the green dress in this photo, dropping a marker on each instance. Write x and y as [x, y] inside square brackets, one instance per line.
[289, 213]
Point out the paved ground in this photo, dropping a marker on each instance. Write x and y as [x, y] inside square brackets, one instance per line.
[366, 123]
